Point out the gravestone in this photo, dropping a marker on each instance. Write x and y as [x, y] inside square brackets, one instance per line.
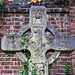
[38, 43]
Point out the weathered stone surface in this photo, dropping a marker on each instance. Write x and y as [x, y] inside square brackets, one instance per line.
[39, 43]
[61, 43]
[11, 43]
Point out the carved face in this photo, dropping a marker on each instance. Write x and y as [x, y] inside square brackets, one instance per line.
[38, 17]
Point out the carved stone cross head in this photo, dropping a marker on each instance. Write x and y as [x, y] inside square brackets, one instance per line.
[38, 43]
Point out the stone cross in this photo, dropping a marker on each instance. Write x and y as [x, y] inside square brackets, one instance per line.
[38, 43]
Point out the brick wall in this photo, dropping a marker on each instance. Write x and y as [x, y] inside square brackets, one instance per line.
[12, 22]
[60, 21]
[72, 27]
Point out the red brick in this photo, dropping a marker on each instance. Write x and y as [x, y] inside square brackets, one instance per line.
[52, 74]
[1, 59]
[15, 19]
[72, 28]
[56, 26]
[63, 30]
[18, 15]
[26, 19]
[61, 66]
[73, 60]
[26, 15]
[64, 55]
[16, 63]
[1, 27]
[17, 23]
[15, 71]
[24, 23]
[61, 70]
[54, 70]
[8, 59]
[62, 14]
[9, 23]
[53, 22]
[7, 27]
[73, 57]
[58, 29]
[62, 63]
[65, 59]
[2, 55]
[55, 67]
[73, 66]
[15, 67]
[8, 19]
[6, 67]
[1, 51]
[73, 69]
[12, 23]
[60, 73]
[73, 32]
[6, 31]
[15, 31]
[2, 19]
[3, 23]
[1, 67]
[63, 33]
[7, 63]
[15, 59]
[68, 33]
[1, 35]
[0, 38]
[4, 15]
[6, 71]
[72, 21]
[17, 27]
[68, 30]
[73, 24]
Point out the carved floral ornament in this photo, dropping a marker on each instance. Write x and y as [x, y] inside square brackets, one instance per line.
[38, 43]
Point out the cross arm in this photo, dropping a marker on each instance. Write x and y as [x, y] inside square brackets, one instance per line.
[61, 43]
[14, 43]
[11, 43]
[66, 43]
